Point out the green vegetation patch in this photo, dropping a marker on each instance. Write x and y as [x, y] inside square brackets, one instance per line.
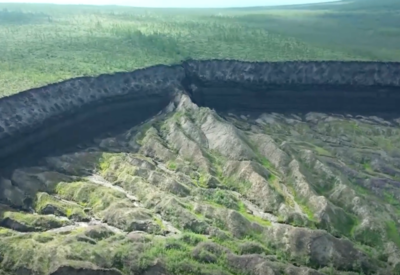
[89, 194]
[306, 210]
[110, 162]
[367, 167]
[303, 205]
[323, 152]
[392, 231]
[171, 165]
[372, 238]
[391, 199]
[188, 253]
[250, 217]
[142, 132]
[21, 221]
[40, 251]
[221, 198]
[6, 232]
[239, 186]
[47, 204]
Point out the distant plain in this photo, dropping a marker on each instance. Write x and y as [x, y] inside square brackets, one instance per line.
[42, 44]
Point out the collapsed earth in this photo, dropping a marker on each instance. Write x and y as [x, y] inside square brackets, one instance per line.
[231, 141]
[205, 167]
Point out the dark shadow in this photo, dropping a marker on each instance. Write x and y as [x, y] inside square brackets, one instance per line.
[340, 100]
[62, 134]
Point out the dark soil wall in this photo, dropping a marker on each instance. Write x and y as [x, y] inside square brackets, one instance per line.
[40, 121]
[350, 87]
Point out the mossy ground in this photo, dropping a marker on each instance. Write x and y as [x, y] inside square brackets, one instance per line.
[29, 222]
[69, 210]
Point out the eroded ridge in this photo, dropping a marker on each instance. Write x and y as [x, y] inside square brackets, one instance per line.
[194, 191]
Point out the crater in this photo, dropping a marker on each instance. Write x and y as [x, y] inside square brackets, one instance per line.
[86, 107]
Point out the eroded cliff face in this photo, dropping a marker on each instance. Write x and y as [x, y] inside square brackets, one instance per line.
[166, 185]
[351, 87]
[265, 74]
[58, 115]
[62, 114]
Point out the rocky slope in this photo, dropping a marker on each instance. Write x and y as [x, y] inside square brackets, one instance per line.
[193, 191]
[212, 167]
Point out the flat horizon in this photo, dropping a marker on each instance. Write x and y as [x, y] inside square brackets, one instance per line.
[173, 3]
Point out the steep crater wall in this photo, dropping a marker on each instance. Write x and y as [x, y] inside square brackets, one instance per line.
[42, 120]
[350, 87]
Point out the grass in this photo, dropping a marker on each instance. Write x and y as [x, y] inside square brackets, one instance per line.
[222, 198]
[69, 210]
[306, 210]
[393, 232]
[233, 184]
[89, 195]
[159, 222]
[391, 199]
[176, 253]
[322, 152]
[142, 132]
[267, 164]
[367, 167]
[105, 162]
[360, 190]
[172, 165]
[41, 44]
[302, 203]
[368, 237]
[35, 222]
[243, 211]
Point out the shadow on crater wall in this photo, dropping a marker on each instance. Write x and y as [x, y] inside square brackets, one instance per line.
[46, 120]
[364, 88]
[299, 100]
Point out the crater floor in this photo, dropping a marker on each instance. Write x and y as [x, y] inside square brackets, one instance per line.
[193, 191]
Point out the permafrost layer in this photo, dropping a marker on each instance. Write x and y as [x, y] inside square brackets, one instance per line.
[62, 114]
